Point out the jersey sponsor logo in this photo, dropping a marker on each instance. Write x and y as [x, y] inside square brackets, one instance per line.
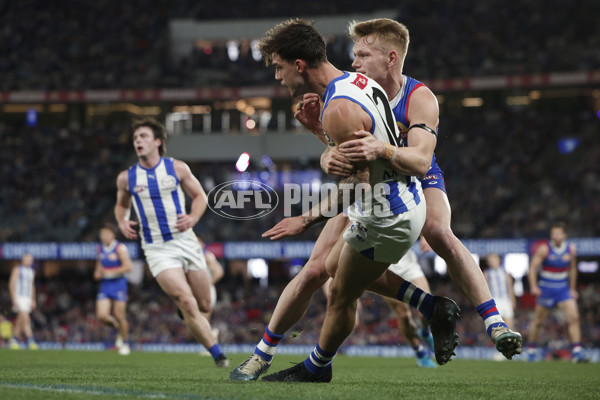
[151, 176]
[169, 182]
[140, 188]
[360, 81]
[113, 257]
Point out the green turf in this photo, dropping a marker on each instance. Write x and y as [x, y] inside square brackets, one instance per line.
[106, 375]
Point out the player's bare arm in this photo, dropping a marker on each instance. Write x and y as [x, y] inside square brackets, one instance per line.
[192, 187]
[12, 282]
[341, 118]
[98, 270]
[308, 112]
[123, 207]
[216, 269]
[414, 160]
[536, 261]
[573, 273]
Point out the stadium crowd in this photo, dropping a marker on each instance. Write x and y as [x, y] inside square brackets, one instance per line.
[114, 44]
[60, 182]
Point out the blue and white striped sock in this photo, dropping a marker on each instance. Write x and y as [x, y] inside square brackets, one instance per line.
[417, 298]
[318, 361]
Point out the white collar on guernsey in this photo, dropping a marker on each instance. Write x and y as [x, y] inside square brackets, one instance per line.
[394, 102]
[559, 249]
[110, 247]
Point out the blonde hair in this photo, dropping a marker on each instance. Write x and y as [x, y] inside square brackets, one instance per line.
[391, 34]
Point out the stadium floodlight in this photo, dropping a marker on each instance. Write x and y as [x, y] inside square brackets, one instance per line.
[243, 162]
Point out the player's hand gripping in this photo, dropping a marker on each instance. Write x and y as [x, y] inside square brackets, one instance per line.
[128, 229]
[308, 112]
[333, 163]
[290, 226]
[363, 148]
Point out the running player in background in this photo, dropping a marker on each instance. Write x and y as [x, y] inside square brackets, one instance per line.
[556, 287]
[408, 268]
[380, 46]
[112, 265]
[21, 286]
[174, 256]
[501, 287]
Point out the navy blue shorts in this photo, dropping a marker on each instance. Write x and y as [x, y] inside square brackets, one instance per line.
[434, 178]
[550, 297]
[115, 289]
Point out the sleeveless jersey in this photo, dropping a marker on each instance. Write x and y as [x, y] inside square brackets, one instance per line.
[109, 258]
[555, 267]
[24, 281]
[404, 191]
[399, 106]
[498, 282]
[158, 199]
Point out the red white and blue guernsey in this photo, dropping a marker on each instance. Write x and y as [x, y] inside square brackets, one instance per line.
[158, 199]
[435, 176]
[554, 275]
[113, 286]
[404, 191]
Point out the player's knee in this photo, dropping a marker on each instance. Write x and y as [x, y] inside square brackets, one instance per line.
[312, 277]
[186, 303]
[204, 305]
[103, 317]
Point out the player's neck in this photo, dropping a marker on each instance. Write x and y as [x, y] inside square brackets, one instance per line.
[322, 76]
[392, 85]
[150, 161]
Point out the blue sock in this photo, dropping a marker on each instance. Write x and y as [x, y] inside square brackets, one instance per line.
[215, 352]
[417, 298]
[420, 350]
[318, 361]
[30, 340]
[491, 316]
[268, 345]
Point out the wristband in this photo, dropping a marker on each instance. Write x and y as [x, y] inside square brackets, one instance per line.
[389, 151]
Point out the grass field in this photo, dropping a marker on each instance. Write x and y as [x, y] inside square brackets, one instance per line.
[106, 375]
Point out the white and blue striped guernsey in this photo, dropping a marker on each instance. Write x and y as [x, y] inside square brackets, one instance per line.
[25, 281]
[404, 191]
[498, 282]
[158, 199]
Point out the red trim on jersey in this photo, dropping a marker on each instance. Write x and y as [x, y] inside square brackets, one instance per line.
[418, 85]
[555, 269]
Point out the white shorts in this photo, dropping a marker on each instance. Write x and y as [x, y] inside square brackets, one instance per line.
[184, 251]
[385, 239]
[504, 307]
[23, 304]
[408, 267]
